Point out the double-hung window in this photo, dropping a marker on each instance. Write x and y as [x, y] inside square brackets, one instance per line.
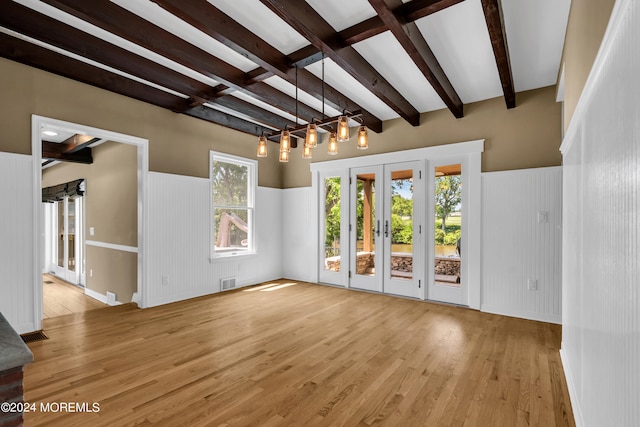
[233, 188]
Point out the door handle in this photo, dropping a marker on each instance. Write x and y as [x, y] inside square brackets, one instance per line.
[386, 229]
[378, 228]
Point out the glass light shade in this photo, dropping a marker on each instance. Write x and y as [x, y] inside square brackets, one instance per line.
[363, 138]
[262, 146]
[306, 152]
[285, 141]
[333, 144]
[343, 129]
[311, 139]
[284, 156]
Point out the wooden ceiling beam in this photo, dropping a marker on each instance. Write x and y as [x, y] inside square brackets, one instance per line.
[306, 21]
[412, 41]
[498, 36]
[53, 150]
[129, 26]
[41, 27]
[406, 13]
[35, 56]
[215, 23]
[215, 116]
[77, 142]
[416, 9]
[39, 57]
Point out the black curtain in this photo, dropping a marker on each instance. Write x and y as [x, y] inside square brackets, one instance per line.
[58, 192]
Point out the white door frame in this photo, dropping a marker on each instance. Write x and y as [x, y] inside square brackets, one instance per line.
[142, 144]
[472, 150]
[362, 281]
[413, 287]
[338, 278]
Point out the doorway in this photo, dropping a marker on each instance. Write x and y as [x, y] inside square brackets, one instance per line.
[377, 215]
[69, 260]
[385, 228]
[64, 239]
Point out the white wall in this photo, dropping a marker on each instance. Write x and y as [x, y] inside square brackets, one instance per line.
[601, 274]
[16, 241]
[515, 246]
[298, 254]
[518, 246]
[179, 239]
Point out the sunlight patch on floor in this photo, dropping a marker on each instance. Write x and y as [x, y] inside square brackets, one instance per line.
[270, 287]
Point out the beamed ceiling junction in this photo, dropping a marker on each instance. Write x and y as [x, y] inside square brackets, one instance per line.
[238, 63]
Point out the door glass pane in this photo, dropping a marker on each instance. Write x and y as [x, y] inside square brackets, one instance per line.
[71, 234]
[448, 220]
[60, 233]
[402, 224]
[332, 223]
[365, 218]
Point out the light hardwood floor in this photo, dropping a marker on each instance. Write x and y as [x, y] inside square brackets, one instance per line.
[60, 298]
[299, 355]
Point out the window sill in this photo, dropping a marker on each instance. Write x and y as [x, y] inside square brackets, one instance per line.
[232, 257]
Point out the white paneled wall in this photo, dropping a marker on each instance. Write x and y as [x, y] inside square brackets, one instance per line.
[179, 239]
[601, 274]
[522, 241]
[298, 255]
[17, 240]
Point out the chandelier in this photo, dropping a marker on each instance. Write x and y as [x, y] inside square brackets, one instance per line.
[339, 133]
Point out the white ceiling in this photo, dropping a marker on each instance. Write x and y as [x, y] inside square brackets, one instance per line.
[458, 37]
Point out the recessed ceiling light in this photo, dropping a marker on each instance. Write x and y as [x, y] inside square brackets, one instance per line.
[50, 133]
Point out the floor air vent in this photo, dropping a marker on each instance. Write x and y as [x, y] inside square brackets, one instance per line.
[228, 283]
[34, 336]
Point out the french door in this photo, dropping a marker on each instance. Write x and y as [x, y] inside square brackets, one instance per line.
[448, 196]
[385, 228]
[68, 248]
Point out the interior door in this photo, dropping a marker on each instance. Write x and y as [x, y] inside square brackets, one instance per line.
[403, 229]
[365, 226]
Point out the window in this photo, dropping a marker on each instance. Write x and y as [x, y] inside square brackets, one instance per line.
[233, 185]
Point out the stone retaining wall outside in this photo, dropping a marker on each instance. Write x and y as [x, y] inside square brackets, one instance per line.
[449, 266]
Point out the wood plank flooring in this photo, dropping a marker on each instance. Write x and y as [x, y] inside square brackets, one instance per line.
[61, 298]
[299, 354]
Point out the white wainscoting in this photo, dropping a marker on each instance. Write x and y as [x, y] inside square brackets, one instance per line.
[298, 255]
[522, 241]
[16, 245]
[179, 239]
[601, 267]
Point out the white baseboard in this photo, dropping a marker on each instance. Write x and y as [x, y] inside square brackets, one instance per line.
[529, 315]
[573, 393]
[99, 297]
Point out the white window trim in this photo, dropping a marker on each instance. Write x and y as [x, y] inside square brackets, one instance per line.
[251, 205]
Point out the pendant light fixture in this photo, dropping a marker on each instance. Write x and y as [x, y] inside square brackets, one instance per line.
[343, 129]
[284, 156]
[311, 139]
[363, 138]
[306, 152]
[333, 144]
[341, 133]
[262, 146]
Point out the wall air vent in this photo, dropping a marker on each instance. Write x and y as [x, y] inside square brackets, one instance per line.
[227, 283]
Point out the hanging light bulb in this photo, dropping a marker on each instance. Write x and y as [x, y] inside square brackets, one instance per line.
[306, 152]
[363, 138]
[262, 146]
[285, 141]
[311, 139]
[284, 156]
[333, 144]
[343, 129]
